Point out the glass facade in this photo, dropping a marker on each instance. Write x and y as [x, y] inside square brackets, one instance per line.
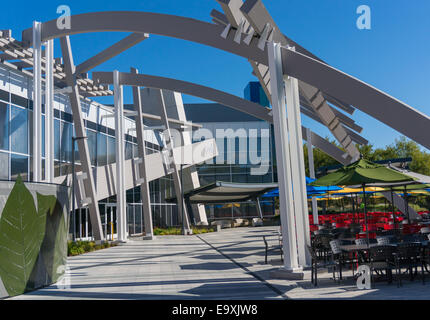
[14, 136]
[254, 92]
[237, 163]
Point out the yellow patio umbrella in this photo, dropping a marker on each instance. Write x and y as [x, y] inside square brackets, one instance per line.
[231, 205]
[357, 190]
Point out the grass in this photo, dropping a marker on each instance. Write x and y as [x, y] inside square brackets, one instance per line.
[75, 248]
[178, 231]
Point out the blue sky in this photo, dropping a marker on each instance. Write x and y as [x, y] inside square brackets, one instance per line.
[392, 56]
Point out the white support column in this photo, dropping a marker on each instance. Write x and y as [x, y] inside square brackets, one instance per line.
[182, 206]
[291, 268]
[144, 184]
[298, 175]
[312, 173]
[49, 112]
[120, 158]
[37, 104]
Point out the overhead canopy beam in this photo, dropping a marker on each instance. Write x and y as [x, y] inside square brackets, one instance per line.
[236, 10]
[336, 83]
[155, 117]
[214, 95]
[111, 52]
[261, 22]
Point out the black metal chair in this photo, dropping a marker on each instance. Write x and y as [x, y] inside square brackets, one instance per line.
[384, 240]
[321, 244]
[383, 258]
[406, 238]
[409, 257]
[270, 248]
[320, 262]
[343, 259]
[425, 257]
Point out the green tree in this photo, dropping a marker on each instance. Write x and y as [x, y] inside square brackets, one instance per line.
[401, 148]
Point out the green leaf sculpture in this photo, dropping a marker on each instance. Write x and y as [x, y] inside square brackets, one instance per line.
[22, 230]
[54, 246]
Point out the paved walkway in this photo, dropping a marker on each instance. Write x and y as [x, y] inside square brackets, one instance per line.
[221, 265]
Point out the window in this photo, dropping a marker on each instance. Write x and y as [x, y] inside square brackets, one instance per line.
[92, 146]
[4, 166]
[19, 130]
[128, 151]
[43, 136]
[19, 166]
[56, 139]
[20, 101]
[4, 126]
[66, 142]
[4, 95]
[101, 149]
[111, 150]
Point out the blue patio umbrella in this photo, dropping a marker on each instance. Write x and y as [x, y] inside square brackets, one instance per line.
[310, 190]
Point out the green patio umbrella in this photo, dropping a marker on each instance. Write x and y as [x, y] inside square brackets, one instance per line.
[363, 172]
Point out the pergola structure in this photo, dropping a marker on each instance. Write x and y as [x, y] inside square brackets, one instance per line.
[295, 81]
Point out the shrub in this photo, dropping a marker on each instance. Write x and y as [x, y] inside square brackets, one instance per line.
[80, 247]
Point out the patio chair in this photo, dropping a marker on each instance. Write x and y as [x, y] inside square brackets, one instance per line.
[342, 258]
[409, 257]
[270, 248]
[406, 238]
[363, 241]
[319, 262]
[383, 258]
[425, 257]
[425, 230]
[321, 244]
[384, 240]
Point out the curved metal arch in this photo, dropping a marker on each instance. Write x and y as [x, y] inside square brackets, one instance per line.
[153, 23]
[361, 95]
[368, 99]
[229, 100]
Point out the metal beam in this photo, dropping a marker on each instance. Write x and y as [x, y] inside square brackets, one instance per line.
[298, 176]
[214, 95]
[84, 154]
[37, 105]
[312, 174]
[120, 159]
[49, 112]
[111, 52]
[289, 233]
[346, 88]
[144, 183]
[260, 20]
[168, 138]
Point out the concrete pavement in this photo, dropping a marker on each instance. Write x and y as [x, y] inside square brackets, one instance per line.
[220, 265]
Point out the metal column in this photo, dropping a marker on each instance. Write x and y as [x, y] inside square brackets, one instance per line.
[144, 183]
[49, 112]
[182, 207]
[291, 267]
[312, 173]
[37, 105]
[298, 175]
[84, 154]
[120, 158]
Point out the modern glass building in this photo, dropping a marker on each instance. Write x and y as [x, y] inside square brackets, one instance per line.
[234, 163]
[242, 141]
[16, 148]
[254, 92]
